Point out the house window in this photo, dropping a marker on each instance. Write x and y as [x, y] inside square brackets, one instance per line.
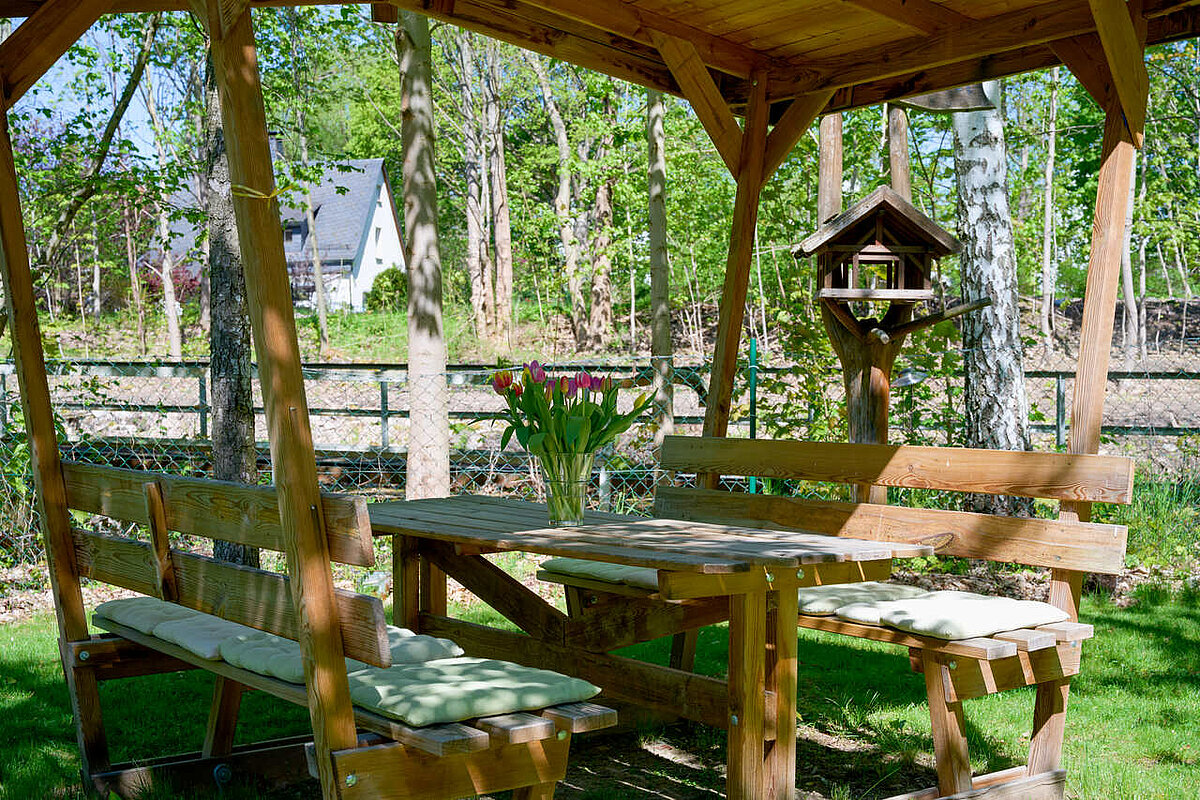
[378, 233]
[379, 261]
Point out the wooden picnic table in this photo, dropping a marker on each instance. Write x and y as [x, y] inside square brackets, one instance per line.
[708, 573]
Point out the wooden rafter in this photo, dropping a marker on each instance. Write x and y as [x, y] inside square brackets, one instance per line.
[1124, 52]
[702, 92]
[41, 40]
[796, 119]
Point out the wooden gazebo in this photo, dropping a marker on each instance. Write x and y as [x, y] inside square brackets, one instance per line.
[779, 65]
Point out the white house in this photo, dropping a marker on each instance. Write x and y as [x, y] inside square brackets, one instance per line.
[357, 233]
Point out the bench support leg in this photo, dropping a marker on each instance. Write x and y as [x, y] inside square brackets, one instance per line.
[747, 683]
[222, 717]
[683, 650]
[1049, 724]
[780, 762]
[949, 731]
[541, 791]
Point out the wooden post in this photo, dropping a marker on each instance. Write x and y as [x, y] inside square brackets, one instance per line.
[898, 169]
[737, 266]
[1087, 402]
[866, 355]
[47, 469]
[293, 462]
[747, 682]
[781, 679]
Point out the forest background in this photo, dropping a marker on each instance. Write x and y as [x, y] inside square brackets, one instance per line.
[542, 186]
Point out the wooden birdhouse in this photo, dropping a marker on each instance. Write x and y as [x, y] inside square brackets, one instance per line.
[880, 249]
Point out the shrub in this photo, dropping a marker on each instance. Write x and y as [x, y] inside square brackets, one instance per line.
[389, 292]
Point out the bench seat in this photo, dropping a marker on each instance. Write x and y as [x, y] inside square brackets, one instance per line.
[429, 682]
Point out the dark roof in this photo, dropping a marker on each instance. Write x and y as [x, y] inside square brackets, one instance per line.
[899, 212]
[343, 204]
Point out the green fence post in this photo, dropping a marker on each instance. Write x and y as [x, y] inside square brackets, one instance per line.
[753, 402]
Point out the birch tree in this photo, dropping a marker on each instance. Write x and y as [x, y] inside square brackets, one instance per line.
[660, 269]
[997, 410]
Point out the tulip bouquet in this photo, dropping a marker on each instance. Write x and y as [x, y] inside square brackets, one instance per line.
[563, 421]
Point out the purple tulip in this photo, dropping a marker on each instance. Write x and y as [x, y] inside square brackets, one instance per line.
[536, 371]
[572, 388]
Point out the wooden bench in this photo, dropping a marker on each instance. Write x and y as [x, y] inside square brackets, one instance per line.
[523, 751]
[1046, 656]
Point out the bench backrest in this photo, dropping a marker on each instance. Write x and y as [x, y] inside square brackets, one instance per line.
[1064, 544]
[232, 512]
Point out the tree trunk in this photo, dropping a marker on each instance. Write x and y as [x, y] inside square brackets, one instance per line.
[1142, 353]
[135, 284]
[661, 349]
[1128, 296]
[1049, 267]
[170, 305]
[482, 294]
[498, 170]
[429, 428]
[567, 224]
[234, 455]
[996, 407]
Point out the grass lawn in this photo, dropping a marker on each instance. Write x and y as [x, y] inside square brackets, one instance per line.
[1133, 731]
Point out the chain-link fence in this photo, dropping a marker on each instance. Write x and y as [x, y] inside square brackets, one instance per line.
[158, 417]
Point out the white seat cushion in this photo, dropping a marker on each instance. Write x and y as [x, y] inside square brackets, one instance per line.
[641, 577]
[201, 634]
[277, 657]
[143, 613]
[955, 615]
[455, 689]
[824, 600]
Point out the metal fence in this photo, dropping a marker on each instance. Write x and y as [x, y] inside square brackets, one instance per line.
[157, 416]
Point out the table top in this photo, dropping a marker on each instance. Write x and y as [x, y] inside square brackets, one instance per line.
[667, 544]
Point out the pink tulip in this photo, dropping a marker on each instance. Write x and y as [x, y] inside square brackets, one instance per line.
[536, 372]
[501, 381]
[584, 381]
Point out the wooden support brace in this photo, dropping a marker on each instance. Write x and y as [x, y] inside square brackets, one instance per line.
[1123, 50]
[222, 717]
[701, 91]
[41, 40]
[385, 13]
[791, 126]
[949, 730]
[164, 569]
[922, 16]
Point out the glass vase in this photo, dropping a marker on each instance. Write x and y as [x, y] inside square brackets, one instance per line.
[566, 476]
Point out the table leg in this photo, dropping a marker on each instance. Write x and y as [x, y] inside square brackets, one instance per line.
[747, 681]
[406, 583]
[781, 679]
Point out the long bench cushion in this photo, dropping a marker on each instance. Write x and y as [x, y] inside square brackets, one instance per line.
[826, 600]
[277, 657]
[641, 577]
[143, 614]
[451, 690]
[201, 634]
[954, 615]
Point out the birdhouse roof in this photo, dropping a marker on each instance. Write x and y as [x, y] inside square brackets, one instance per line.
[901, 217]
